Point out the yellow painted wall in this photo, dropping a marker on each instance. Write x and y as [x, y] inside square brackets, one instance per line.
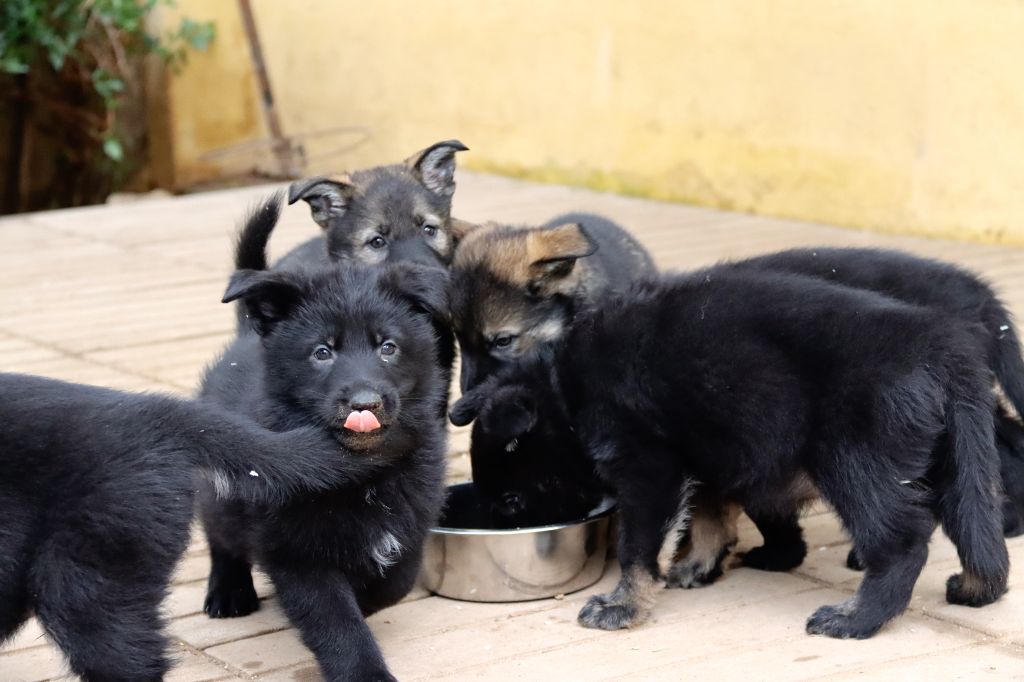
[900, 115]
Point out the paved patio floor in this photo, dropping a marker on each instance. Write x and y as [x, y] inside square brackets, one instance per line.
[127, 296]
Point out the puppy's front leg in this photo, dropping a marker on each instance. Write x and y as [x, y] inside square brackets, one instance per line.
[321, 604]
[652, 513]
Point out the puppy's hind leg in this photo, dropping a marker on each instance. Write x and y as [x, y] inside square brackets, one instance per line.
[109, 630]
[890, 525]
[653, 510]
[13, 591]
[968, 507]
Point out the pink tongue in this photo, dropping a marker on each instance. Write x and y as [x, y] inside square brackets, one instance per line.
[362, 422]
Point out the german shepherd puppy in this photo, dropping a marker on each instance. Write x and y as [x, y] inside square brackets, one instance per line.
[935, 284]
[353, 351]
[400, 212]
[771, 388]
[96, 493]
[515, 289]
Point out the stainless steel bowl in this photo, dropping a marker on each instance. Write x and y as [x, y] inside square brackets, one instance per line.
[477, 564]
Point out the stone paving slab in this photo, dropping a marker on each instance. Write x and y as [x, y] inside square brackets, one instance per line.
[128, 296]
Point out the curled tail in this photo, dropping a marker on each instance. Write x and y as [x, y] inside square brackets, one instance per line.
[968, 506]
[251, 247]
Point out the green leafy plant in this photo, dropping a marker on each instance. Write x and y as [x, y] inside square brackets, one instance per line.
[90, 47]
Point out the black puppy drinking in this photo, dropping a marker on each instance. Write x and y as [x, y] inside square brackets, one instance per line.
[769, 389]
[353, 351]
[96, 493]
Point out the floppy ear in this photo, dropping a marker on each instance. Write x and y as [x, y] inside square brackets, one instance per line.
[424, 286]
[268, 297]
[434, 166]
[511, 413]
[327, 196]
[553, 252]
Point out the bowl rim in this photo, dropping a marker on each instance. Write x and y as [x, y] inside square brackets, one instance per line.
[606, 507]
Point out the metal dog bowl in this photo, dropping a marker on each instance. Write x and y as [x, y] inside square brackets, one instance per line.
[477, 564]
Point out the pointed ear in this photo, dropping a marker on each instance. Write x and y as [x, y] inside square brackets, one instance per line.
[460, 228]
[327, 196]
[268, 297]
[434, 166]
[426, 288]
[553, 252]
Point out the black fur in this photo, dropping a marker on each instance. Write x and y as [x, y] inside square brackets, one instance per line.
[750, 381]
[321, 353]
[96, 494]
[937, 285]
[529, 467]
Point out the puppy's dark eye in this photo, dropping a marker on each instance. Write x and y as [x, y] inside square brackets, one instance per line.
[323, 353]
[378, 243]
[503, 340]
[429, 230]
[388, 348]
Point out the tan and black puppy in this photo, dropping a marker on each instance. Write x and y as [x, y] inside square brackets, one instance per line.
[399, 212]
[517, 288]
[515, 291]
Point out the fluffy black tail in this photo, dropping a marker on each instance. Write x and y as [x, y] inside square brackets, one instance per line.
[1007, 362]
[243, 460]
[968, 505]
[251, 247]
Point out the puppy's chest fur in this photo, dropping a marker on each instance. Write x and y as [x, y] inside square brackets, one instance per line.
[366, 529]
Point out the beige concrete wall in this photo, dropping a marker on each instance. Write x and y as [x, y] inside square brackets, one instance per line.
[898, 115]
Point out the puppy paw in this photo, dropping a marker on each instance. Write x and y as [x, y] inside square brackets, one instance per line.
[688, 575]
[231, 602]
[774, 557]
[853, 561]
[601, 613]
[839, 622]
[971, 591]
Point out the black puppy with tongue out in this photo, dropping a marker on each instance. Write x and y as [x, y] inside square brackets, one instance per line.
[354, 351]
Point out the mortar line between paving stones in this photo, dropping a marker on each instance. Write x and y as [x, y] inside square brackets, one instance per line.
[81, 357]
[899, 659]
[224, 665]
[597, 634]
[129, 248]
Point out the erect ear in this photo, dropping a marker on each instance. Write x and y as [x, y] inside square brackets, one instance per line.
[434, 166]
[267, 295]
[327, 196]
[426, 288]
[460, 228]
[553, 252]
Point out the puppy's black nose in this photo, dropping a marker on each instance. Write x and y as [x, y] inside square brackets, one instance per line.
[366, 399]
